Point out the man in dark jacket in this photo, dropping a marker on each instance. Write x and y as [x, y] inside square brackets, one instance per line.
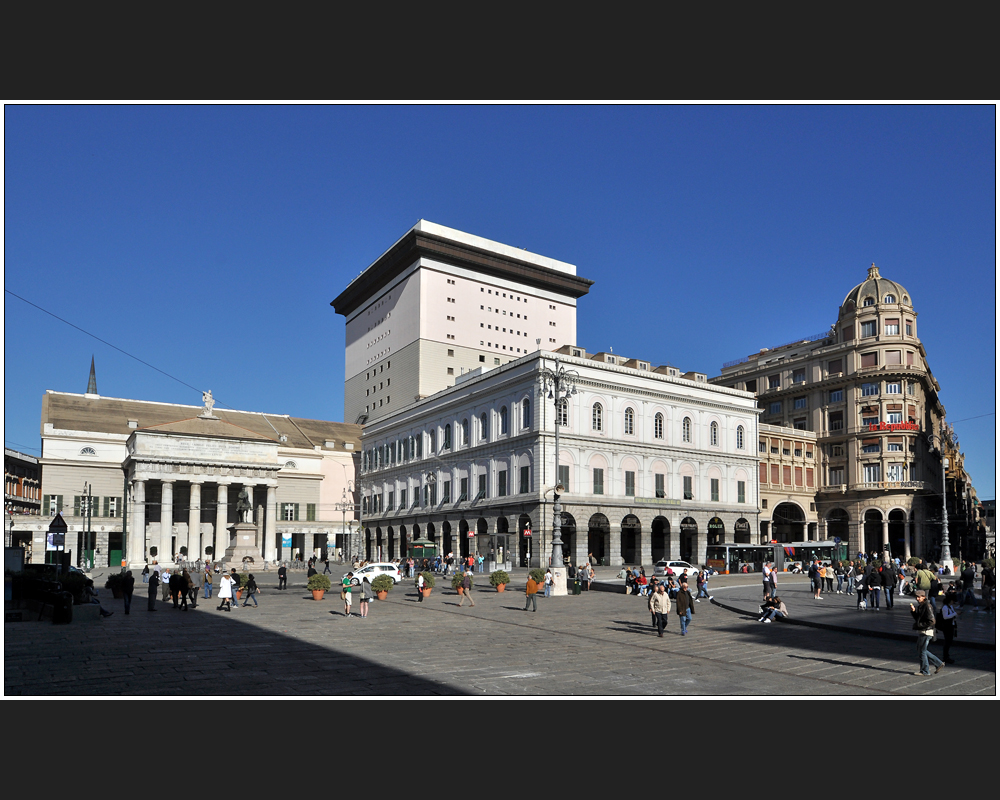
[282, 576]
[969, 584]
[923, 616]
[127, 589]
[685, 607]
[154, 584]
[889, 581]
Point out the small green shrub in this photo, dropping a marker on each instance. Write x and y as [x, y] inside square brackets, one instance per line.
[318, 581]
[456, 580]
[498, 577]
[428, 580]
[537, 575]
[382, 583]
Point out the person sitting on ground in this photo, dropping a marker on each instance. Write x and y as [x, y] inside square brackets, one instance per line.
[777, 609]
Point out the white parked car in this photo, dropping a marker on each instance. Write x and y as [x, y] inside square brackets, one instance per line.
[371, 571]
[678, 567]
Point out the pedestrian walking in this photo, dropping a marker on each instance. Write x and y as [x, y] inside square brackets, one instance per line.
[154, 582]
[529, 594]
[949, 624]
[145, 573]
[659, 607]
[548, 582]
[766, 579]
[923, 616]
[251, 590]
[685, 607]
[208, 582]
[420, 587]
[127, 589]
[467, 589]
[226, 593]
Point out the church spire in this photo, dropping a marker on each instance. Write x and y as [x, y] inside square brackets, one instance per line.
[92, 383]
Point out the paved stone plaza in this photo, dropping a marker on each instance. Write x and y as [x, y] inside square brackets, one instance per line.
[597, 644]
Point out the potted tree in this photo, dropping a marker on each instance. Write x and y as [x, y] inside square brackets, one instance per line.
[456, 582]
[500, 579]
[318, 584]
[244, 579]
[116, 583]
[428, 583]
[381, 586]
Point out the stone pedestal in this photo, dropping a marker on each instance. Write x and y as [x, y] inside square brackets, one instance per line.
[244, 544]
[559, 582]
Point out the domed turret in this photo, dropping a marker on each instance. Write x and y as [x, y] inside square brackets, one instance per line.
[874, 291]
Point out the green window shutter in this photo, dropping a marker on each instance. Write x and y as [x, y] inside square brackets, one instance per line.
[45, 505]
[311, 512]
[76, 505]
[107, 507]
[296, 512]
[59, 503]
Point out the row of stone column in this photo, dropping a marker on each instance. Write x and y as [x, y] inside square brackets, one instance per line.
[137, 521]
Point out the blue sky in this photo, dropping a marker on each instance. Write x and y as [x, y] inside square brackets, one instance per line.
[209, 241]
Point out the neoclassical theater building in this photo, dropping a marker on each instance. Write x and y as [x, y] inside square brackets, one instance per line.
[130, 475]
[450, 340]
[865, 391]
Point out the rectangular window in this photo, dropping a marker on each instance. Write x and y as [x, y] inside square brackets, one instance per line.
[893, 357]
[869, 421]
[837, 396]
[798, 476]
[391, 502]
[869, 329]
[869, 360]
[775, 474]
[835, 366]
[799, 376]
[481, 493]
[564, 476]
[741, 491]
[894, 473]
[801, 402]
[892, 327]
[525, 487]
[893, 388]
[715, 490]
[445, 491]
[894, 417]
[763, 473]
[774, 381]
[112, 506]
[786, 474]
[836, 476]
[775, 408]
[894, 447]
[871, 448]
[761, 447]
[629, 484]
[402, 498]
[434, 494]
[310, 512]
[688, 487]
[809, 478]
[873, 473]
[290, 512]
[658, 481]
[800, 424]
[464, 490]
[909, 328]
[502, 483]
[598, 481]
[836, 449]
[869, 389]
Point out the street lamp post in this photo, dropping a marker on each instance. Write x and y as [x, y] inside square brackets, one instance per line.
[945, 544]
[561, 386]
[88, 499]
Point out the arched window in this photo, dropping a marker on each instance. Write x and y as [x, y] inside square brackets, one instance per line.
[739, 437]
[484, 431]
[658, 426]
[526, 413]
[465, 431]
[597, 418]
[447, 436]
[503, 420]
[629, 422]
[714, 434]
[869, 301]
[686, 429]
[88, 451]
[890, 298]
[563, 409]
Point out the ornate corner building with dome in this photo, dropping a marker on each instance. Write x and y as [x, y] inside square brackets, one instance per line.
[865, 390]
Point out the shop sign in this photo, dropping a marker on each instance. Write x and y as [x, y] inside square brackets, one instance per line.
[894, 426]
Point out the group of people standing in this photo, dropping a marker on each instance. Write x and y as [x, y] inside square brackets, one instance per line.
[660, 605]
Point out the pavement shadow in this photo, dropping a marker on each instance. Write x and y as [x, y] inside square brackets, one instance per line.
[199, 653]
